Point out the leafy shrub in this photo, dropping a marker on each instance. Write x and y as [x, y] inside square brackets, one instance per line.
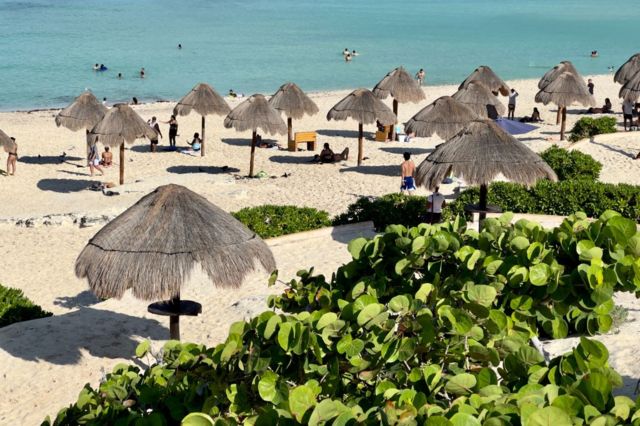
[572, 164]
[385, 210]
[588, 126]
[428, 325]
[556, 198]
[14, 307]
[270, 221]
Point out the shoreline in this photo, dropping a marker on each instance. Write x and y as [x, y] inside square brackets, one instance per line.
[311, 93]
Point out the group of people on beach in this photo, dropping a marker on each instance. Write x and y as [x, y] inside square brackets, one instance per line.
[435, 202]
[195, 144]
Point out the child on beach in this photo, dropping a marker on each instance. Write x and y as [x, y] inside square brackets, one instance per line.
[196, 142]
[12, 158]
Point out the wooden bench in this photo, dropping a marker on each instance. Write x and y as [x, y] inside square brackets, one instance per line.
[303, 137]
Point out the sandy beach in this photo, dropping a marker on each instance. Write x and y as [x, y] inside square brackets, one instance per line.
[45, 363]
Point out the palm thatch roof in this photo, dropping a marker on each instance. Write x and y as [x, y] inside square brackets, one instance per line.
[630, 91]
[478, 97]
[154, 245]
[120, 124]
[362, 106]
[564, 90]
[203, 100]
[554, 72]
[293, 102]
[6, 142]
[490, 79]
[400, 85]
[256, 113]
[628, 69]
[478, 154]
[445, 117]
[83, 113]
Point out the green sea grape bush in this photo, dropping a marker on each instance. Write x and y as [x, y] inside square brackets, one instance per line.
[15, 307]
[427, 325]
[271, 221]
[570, 165]
[588, 126]
[555, 198]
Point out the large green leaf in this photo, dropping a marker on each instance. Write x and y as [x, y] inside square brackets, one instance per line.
[539, 274]
[482, 294]
[461, 384]
[197, 419]
[301, 399]
[549, 416]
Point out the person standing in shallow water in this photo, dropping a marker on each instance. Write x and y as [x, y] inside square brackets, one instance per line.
[420, 76]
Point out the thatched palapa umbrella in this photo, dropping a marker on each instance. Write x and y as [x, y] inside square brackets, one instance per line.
[478, 154]
[552, 74]
[362, 106]
[5, 140]
[479, 99]
[445, 117]
[83, 113]
[630, 91]
[294, 103]
[490, 79]
[154, 245]
[564, 90]
[402, 87]
[255, 114]
[628, 69]
[205, 101]
[120, 124]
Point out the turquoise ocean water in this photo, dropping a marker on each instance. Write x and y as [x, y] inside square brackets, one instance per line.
[47, 47]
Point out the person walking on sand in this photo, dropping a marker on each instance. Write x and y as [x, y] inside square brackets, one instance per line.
[155, 126]
[435, 203]
[12, 158]
[627, 114]
[590, 86]
[93, 159]
[420, 76]
[512, 104]
[408, 170]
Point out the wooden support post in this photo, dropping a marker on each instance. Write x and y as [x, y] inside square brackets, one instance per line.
[360, 143]
[202, 137]
[174, 320]
[122, 163]
[254, 138]
[392, 133]
[564, 122]
[289, 129]
[482, 205]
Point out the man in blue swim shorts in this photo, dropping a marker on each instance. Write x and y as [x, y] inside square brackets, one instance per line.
[408, 169]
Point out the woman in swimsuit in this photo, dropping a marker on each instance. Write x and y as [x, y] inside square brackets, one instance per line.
[173, 130]
[12, 158]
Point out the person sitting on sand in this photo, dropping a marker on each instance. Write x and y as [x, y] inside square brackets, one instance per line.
[408, 171]
[93, 159]
[606, 108]
[327, 155]
[232, 94]
[107, 157]
[196, 142]
[12, 158]
[535, 117]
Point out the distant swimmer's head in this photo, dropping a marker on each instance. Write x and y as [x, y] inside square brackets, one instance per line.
[179, 46]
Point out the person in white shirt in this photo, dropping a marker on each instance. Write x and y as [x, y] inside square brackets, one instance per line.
[627, 113]
[435, 204]
[512, 104]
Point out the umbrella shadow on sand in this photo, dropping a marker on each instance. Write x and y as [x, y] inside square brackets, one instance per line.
[65, 186]
[401, 150]
[383, 170]
[62, 339]
[245, 141]
[82, 299]
[46, 159]
[344, 133]
[202, 169]
[289, 159]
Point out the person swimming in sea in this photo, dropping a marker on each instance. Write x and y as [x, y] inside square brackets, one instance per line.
[102, 68]
[594, 53]
[119, 76]
[179, 46]
[354, 53]
[142, 72]
[345, 52]
[347, 57]
[96, 67]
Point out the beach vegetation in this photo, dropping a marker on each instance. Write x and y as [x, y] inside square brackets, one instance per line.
[385, 210]
[15, 307]
[587, 127]
[433, 325]
[269, 221]
[570, 165]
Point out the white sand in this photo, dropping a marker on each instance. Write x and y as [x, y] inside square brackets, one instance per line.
[44, 363]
